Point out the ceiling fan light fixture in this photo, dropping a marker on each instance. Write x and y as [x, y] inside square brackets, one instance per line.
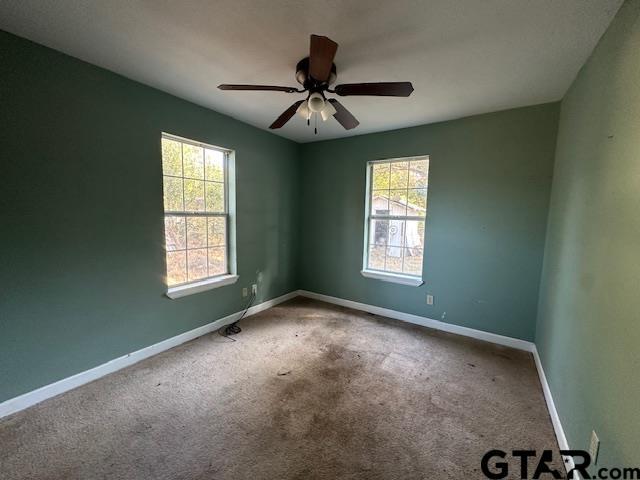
[303, 111]
[316, 102]
[327, 112]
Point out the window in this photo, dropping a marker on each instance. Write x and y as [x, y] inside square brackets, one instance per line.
[196, 215]
[395, 219]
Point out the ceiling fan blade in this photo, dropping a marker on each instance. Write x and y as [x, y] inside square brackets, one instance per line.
[321, 54]
[381, 89]
[344, 116]
[269, 88]
[286, 115]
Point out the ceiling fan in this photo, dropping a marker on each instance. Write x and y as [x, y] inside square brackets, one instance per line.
[316, 73]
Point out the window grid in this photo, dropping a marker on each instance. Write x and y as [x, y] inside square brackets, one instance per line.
[185, 214]
[405, 210]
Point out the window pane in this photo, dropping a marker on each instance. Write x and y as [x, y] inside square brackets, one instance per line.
[217, 231]
[196, 232]
[176, 267]
[197, 263]
[193, 160]
[174, 232]
[193, 195]
[215, 197]
[398, 202]
[399, 190]
[394, 259]
[217, 261]
[396, 233]
[194, 181]
[172, 194]
[414, 234]
[171, 157]
[214, 165]
[412, 261]
[380, 179]
[378, 232]
[399, 175]
[380, 202]
[418, 173]
[417, 205]
[376, 257]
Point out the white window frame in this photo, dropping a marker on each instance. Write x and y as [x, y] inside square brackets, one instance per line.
[400, 278]
[230, 277]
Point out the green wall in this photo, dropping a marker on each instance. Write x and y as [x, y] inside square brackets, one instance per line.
[589, 322]
[81, 215]
[489, 184]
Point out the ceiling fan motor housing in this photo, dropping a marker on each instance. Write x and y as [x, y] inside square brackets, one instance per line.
[310, 83]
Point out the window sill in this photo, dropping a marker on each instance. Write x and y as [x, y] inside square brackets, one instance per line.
[203, 286]
[393, 278]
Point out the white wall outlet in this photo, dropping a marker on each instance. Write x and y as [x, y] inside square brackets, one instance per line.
[244, 292]
[429, 299]
[594, 447]
[254, 289]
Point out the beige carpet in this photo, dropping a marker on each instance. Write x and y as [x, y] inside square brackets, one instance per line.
[308, 391]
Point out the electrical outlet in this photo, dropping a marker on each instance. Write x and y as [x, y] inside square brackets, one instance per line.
[254, 289]
[244, 292]
[594, 447]
[429, 299]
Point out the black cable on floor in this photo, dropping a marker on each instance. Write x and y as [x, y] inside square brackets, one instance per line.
[234, 328]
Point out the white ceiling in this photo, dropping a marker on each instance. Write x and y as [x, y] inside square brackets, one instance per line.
[464, 57]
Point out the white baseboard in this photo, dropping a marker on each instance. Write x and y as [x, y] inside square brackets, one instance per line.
[26, 400]
[553, 413]
[424, 321]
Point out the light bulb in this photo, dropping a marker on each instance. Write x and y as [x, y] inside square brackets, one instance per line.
[316, 102]
[303, 111]
[327, 111]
